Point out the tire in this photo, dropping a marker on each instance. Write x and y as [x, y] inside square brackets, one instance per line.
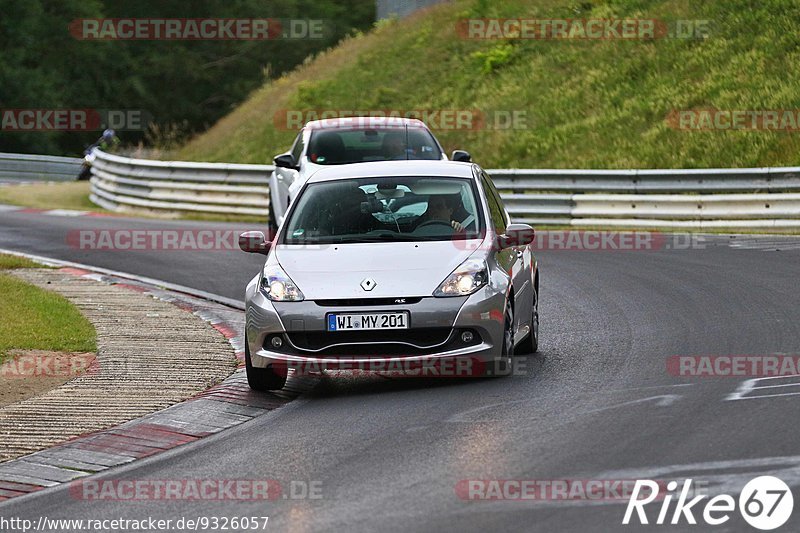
[501, 364]
[261, 379]
[85, 174]
[530, 344]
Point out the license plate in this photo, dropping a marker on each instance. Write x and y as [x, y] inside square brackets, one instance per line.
[365, 321]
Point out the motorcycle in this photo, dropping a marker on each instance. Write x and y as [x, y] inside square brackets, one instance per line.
[89, 156]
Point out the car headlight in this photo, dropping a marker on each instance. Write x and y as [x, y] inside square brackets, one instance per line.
[466, 279]
[278, 286]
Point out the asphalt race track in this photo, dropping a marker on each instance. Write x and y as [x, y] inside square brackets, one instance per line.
[596, 403]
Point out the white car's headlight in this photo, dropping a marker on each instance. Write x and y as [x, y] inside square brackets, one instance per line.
[278, 286]
[466, 279]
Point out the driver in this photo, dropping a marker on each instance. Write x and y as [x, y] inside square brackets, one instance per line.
[394, 146]
[440, 208]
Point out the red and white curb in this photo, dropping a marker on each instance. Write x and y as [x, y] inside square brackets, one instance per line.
[221, 407]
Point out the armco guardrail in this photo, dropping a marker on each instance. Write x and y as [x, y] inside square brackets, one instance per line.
[748, 198]
[753, 198]
[27, 167]
[120, 183]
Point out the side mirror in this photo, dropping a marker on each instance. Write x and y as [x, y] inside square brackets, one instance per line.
[285, 161]
[516, 235]
[253, 242]
[461, 155]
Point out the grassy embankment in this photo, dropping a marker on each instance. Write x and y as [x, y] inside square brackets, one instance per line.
[587, 103]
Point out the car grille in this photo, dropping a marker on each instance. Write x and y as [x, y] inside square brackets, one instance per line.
[357, 302]
[398, 342]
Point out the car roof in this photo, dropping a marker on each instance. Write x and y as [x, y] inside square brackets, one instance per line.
[379, 169]
[364, 122]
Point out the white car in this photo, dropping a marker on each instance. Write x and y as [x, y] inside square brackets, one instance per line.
[339, 141]
[395, 263]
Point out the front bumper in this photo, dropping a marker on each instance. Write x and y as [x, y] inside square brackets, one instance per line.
[435, 331]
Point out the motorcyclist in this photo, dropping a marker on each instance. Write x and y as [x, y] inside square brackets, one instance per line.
[106, 141]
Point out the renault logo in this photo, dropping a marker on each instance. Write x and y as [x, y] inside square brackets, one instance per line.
[368, 284]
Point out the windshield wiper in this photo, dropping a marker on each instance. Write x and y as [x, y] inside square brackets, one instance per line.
[385, 237]
[396, 238]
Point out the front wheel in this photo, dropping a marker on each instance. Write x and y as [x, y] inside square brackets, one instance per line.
[531, 342]
[501, 363]
[261, 379]
[85, 174]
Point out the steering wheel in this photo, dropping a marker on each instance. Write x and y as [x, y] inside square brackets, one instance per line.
[432, 222]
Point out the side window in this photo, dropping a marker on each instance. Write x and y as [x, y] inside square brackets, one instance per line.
[497, 197]
[495, 208]
[297, 148]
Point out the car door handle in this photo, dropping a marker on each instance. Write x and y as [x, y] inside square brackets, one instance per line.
[520, 254]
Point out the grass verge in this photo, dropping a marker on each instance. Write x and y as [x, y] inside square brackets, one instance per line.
[50, 195]
[75, 196]
[35, 319]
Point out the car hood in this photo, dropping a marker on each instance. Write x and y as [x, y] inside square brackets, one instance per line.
[399, 269]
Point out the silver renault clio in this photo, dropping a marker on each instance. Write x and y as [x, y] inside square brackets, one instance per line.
[392, 266]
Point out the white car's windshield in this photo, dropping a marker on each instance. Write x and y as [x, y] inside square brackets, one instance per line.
[385, 209]
[340, 146]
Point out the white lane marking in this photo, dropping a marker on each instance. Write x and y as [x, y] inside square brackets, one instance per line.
[65, 213]
[750, 385]
[664, 400]
[468, 416]
[4, 207]
[766, 244]
[710, 478]
[779, 386]
[760, 396]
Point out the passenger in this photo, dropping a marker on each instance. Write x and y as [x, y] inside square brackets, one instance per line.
[349, 217]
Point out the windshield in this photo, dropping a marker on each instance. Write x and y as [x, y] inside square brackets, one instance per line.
[339, 146]
[385, 209]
